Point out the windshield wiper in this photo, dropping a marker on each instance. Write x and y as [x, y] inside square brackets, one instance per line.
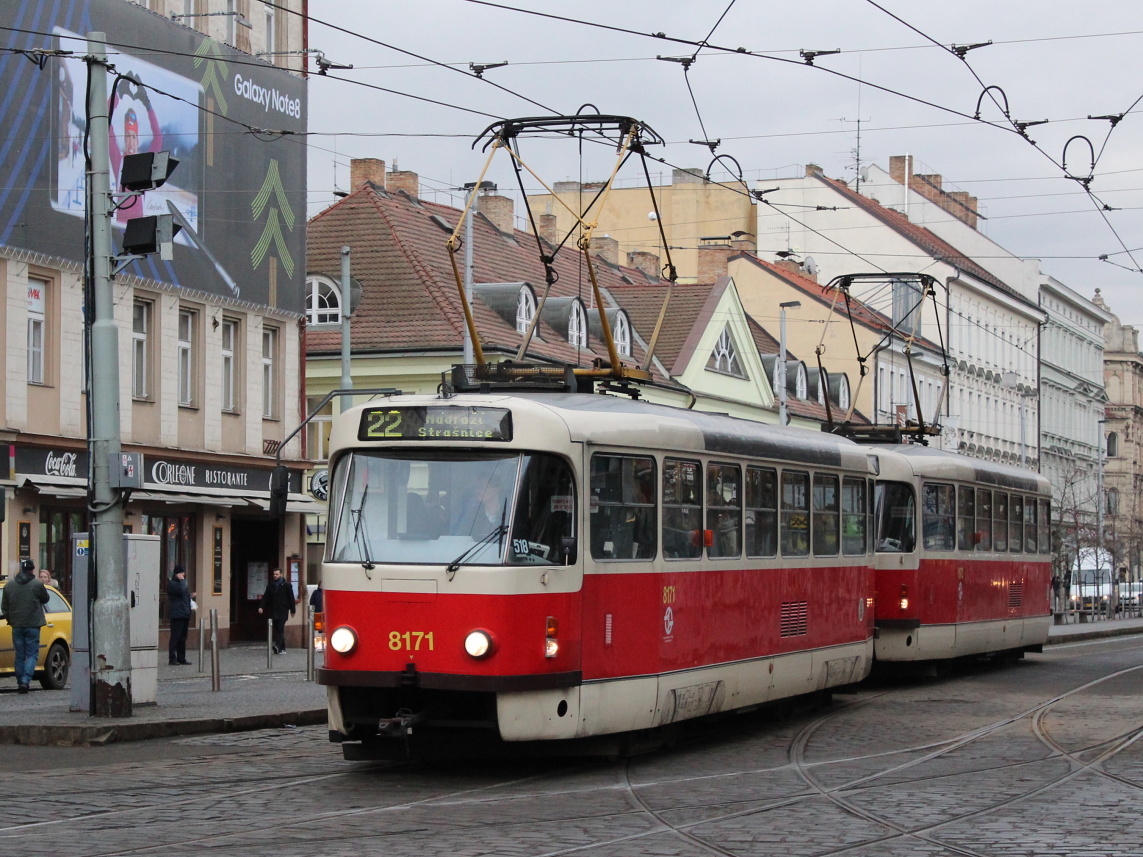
[358, 534]
[496, 532]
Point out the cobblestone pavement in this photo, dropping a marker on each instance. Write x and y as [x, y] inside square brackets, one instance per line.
[1039, 758]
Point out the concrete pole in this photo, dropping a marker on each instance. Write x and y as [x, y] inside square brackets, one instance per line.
[781, 373]
[346, 374]
[110, 617]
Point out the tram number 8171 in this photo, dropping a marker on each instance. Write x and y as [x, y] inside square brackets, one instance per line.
[410, 641]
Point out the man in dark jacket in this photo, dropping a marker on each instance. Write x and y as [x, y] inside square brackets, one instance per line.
[22, 605]
[179, 613]
[278, 600]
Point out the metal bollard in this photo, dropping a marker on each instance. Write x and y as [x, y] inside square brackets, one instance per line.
[269, 643]
[215, 668]
[201, 644]
[309, 632]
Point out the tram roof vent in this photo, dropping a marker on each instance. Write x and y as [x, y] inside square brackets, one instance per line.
[508, 376]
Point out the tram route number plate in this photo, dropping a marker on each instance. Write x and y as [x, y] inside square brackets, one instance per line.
[435, 423]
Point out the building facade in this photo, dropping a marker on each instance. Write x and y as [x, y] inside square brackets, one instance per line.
[209, 341]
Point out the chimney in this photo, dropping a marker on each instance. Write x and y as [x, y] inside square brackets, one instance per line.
[712, 261]
[690, 175]
[497, 209]
[791, 266]
[964, 206]
[899, 167]
[743, 242]
[549, 230]
[813, 170]
[932, 178]
[646, 262]
[363, 170]
[566, 187]
[404, 180]
[605, 247]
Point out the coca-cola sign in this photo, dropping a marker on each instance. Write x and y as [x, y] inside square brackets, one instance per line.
[62, 464]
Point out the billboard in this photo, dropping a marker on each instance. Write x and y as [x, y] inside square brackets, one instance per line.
[239, 190]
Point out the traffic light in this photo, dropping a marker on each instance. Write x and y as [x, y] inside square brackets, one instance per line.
[152, 234]
[279, 490]
[146, 170]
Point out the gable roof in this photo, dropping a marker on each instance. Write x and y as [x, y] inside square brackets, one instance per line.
[924, 239]
[860, 311]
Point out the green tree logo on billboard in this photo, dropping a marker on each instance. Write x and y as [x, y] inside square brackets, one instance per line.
[215, 73]
[273, 192]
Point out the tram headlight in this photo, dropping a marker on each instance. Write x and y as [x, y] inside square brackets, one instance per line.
[343, 640]
[478, 644]
[551, 641]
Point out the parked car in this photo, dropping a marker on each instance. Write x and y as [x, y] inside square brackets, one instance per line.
[55, 644]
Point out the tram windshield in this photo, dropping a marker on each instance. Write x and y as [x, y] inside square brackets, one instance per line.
[403, 507]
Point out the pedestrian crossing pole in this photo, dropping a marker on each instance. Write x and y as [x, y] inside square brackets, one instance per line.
[110, 617]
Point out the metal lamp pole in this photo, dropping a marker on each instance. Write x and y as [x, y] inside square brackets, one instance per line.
[781, 373]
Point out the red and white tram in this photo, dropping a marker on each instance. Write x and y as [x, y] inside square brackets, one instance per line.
[962, 555]
[564, 566]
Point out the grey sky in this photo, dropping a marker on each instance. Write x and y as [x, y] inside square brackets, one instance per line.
[1062, 61]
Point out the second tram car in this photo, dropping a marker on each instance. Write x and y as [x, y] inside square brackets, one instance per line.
[550, 567]
[962, 555]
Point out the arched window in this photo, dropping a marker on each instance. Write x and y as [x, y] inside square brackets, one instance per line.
[621, 334]
[724, 357]
[525, 308]
[577, 325]
[323, 301]
[1112, 445]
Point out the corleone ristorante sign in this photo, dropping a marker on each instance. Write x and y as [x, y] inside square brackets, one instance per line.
[159, 473]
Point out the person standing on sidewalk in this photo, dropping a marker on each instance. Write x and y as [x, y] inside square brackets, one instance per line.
[22, 605]
[278, 601]
[179, 613]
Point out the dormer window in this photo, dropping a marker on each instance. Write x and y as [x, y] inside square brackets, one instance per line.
[577, 325]
[323, 301]
[621, 334]
[724, 357]
[525, 308]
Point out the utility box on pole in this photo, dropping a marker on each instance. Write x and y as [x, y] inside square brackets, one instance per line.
[144, 577]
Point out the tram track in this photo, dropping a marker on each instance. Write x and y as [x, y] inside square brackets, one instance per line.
[844, 796]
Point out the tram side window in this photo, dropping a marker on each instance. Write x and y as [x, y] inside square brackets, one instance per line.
[545, 512]
[1044, 532]
[761, 512]
[682, 509]
[896, 517]
[724, 509]
[854, 516]
[1000, 522]
[937, 512]
[965, 518]
[795, 513]
[1015, 523]
[983, 520]
[1030, 524]
[623, 522]
[827, 514]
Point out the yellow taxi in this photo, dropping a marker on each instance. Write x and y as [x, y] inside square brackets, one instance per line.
[55, 644]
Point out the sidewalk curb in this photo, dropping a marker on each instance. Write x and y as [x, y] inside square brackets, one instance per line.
[95, 735]
[1094, 634]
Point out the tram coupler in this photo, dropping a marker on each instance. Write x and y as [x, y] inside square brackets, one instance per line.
[399, 726]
